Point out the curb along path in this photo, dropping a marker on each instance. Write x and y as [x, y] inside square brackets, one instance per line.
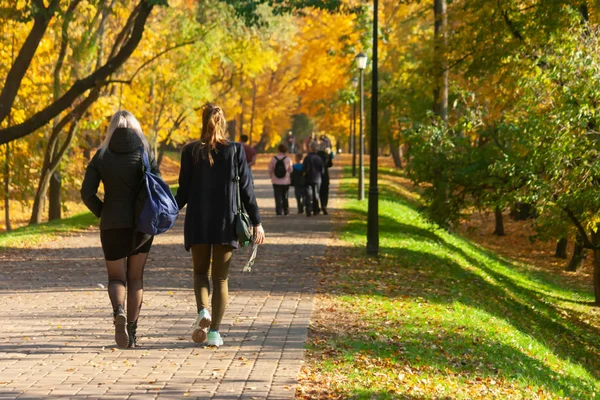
[56, 333]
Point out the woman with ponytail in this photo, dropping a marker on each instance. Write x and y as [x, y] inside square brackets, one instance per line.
[207, 186]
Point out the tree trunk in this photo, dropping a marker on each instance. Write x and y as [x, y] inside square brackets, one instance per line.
[54, 197]
[597, 276]
[394, 144]
[163, 145]
[241, 107]
[406, 152]
[395, 151]
[253, 110]
[440, 73]
[231, 127]
[523, 211]
[261, 146]
[578, 256]
[561, 248]
[7, 186]
[38, 201]
[51, 164]
[499, 230]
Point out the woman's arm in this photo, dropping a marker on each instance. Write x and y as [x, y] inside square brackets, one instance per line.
[89, 188]
[246, 187]
[185, 176]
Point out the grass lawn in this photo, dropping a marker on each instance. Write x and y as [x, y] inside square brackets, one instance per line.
[437, 316]
[30, 235]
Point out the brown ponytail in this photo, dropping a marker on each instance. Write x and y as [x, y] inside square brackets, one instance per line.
[214, 131]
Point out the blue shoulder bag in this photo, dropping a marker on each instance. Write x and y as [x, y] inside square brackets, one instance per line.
[158, 209]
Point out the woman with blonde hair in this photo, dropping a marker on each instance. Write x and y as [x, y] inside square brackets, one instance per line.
[207, 184]
[118, 164]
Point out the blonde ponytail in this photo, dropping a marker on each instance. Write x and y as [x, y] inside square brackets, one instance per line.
[214, 131]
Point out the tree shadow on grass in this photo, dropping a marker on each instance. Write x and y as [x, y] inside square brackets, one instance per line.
[443, 281]
[478, 280]
[461, 357]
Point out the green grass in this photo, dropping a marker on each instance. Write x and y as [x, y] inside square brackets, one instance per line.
[437, 316]
[30, 235]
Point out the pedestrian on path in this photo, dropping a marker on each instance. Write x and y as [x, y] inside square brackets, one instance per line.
[118, 164]
[327, 156]
[299, 183]
[208, 187]
[280, 169]
[291, 142]
[249, 150]
[313, 173]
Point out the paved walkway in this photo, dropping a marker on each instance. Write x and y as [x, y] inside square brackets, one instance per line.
[56, 334]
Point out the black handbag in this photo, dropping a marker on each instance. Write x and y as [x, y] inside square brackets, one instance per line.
[243, 226]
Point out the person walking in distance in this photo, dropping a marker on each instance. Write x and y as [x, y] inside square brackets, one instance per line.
[313, 173]
[327, 156]
[207, 186]
[291, 142]
[118, 164]
[249, 150]
[299, 183]
[280, 169]
[250, 155]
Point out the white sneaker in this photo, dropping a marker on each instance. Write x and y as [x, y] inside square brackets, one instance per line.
[201, 326]
[214, 339]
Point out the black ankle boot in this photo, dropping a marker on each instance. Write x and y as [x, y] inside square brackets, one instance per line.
[132, 330]
[120, 321]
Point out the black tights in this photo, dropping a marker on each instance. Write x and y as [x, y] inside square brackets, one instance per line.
[127, 275]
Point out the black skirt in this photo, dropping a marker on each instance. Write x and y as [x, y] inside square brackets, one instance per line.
[121, 243]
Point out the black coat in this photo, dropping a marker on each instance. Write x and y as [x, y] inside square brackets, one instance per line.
[211, 195]
[119, 167]
[327, 163]
[313, 168]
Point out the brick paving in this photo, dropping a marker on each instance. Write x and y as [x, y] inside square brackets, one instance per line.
[56, 333]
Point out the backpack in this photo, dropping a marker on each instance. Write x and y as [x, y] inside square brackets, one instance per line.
[280, 169]
[158, 208]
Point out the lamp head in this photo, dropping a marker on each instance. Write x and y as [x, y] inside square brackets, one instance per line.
[355, 82]
[361, 60]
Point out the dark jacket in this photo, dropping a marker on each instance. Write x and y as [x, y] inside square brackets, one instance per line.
[119, 167]
[313, 168]
[327, 163]
[297, 176]
[211, 195]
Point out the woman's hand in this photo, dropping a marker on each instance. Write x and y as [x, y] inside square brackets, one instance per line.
[259, 234]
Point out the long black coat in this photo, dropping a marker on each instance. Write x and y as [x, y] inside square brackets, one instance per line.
[313, 168]
[211, 195]
[327, 163]
[119, 167]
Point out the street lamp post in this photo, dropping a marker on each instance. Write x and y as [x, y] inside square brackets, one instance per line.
[373, 210]
[361, 62]
[353, 130]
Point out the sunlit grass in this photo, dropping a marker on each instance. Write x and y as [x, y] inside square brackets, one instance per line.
[30, 235]
[437, 316]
